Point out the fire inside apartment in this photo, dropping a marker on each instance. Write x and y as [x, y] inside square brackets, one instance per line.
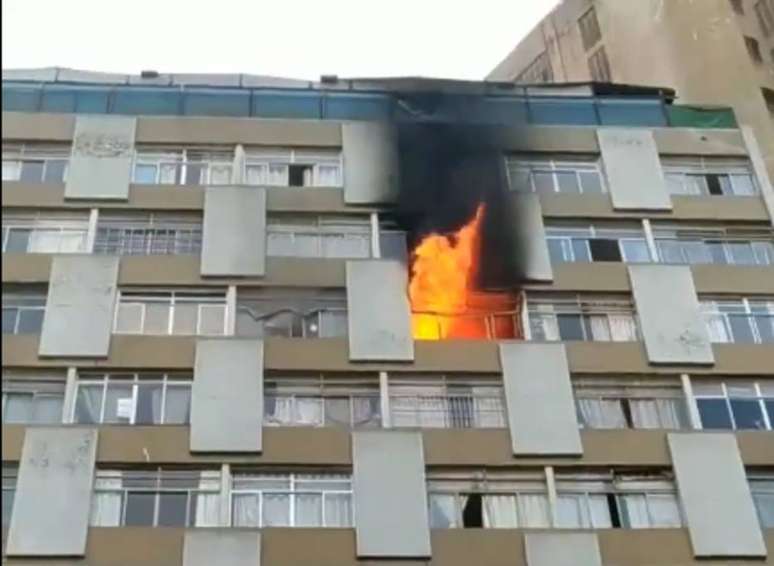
[250, 321]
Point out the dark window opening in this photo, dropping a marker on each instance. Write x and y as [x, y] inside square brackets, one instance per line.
[298, 175]
[605, 250]
[714, 185]
[615, 514]
[714, 414]
[627, 413]
[473, 513]
[754, 49]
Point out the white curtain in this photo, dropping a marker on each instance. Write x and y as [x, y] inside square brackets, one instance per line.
[534, 510]
[544, 327]
[256, 174]
[570, 513]
[276, 510]
[308, 411]
[718, 331]
[278, 175]
[600, 328]
[338, 510]
[220, 174]
[106, 504]
[309, 510]
[656, 413]
[500, 512]
[664, 510]
[282, 411]
[208, 500]
[45, 240]
[327, 176]
[443, 511]
[246, 510]
[601, 413]
[599, 511]
[168, 174]
[622, 328]
[346, 245]
[488, 407]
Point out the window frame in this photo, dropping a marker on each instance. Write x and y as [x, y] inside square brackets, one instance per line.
[161, 156]
[24, 296]
[586, 233]
[43, 386]
[320, 227]
[760, 398]
[555, 165]
[143, 297]
[123, 229]
[685, 166]
[711, 308]
[684, 237]
[61, 222]
[45, 153]
[284, 157]
[590, 32]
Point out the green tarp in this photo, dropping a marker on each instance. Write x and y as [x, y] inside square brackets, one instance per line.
[700, 117]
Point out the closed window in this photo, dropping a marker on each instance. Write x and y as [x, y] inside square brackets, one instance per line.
[555, 174]
[292, 167]
[183, 166]
[606, 403]
[709, 176]
[35, 163]
[133, 398]
[620, 502]
[292, 500]
[23, 311]
[325, 401]
[488, 500]
[32, 399]
[764, 11]
[599, 66]
[740, 321]
[156, 498]
[762, 489]
[581, 318]
[291, 313]
[9, 492]
[318, 236]
[589, 28]
[437, 401]
[539, 71]
[569, 243]
[149, 234]
[45, 232]
[717, 246]
[171, 312]
[735, 404]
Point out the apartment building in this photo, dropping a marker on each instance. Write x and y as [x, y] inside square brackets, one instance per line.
[712, 52]
[208, 350]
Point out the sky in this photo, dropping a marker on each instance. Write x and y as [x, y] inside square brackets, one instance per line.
[288, 38]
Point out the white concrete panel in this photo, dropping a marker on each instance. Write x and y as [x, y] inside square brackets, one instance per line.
[370, 162]
[531, 236]
[759, 167]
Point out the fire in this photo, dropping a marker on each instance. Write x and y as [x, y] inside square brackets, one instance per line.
[444, 300]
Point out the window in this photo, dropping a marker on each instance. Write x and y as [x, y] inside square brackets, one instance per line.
[619, 502]
[718, 246]
[740, 321]
[295, 235]
[754, 49]
[495, 501]
[555, 174]
[32, 399]
[35, 163]
[149, 234]
[589, 28]
[599, 66]
[291, 500]
[156, 498]
[293, 167]
[735, 404]
[703, 176]
[9, 493]
[183, 166]
[764, 10]
[45, 232]
[23, 311]
[437, 401]
[737, 6]
[171, 312]
[133, 398]
[762, 489]
[291, 313]
[589, 318]
[326, 401]
[606, 403]
[569, 243]
[537, 72]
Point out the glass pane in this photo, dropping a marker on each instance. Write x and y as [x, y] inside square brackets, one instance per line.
[591, 182]
[337, 411]
[178, 405]
[148, 403]
[18, 408]
[139, 509]
[544, 182]
[571, 512]
[212, 319]
[765, 326]
[88, 404]
[635, 251]
[743, 185]
[55, 171]
[129, 319]
[119, 404]
[748, 414]
[276, 510]
[741, 253]
[156, 318]
[714, 414]
[18, 240]
[580, 249]
[8, 497]
[568, 182]
[556, 250]
[30, 321]
[32, 171]
[48, 409]
[443, 511]
[764, 503]
[185, 319]
[308, 510]
[194, 174]
[741, 329]
[9, 320]
[664, 510]
[338, 510]
[145, 174]
[246, 510]
[172, 509]
[570, 326]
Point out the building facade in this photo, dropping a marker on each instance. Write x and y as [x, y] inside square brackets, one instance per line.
[208, 356]
[713, 52]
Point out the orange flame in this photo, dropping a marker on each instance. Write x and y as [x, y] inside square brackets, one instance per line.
[444, 300]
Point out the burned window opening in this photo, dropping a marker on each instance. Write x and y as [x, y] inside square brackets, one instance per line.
[299, 175]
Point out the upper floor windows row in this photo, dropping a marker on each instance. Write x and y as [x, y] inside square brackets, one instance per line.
[583, 174]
